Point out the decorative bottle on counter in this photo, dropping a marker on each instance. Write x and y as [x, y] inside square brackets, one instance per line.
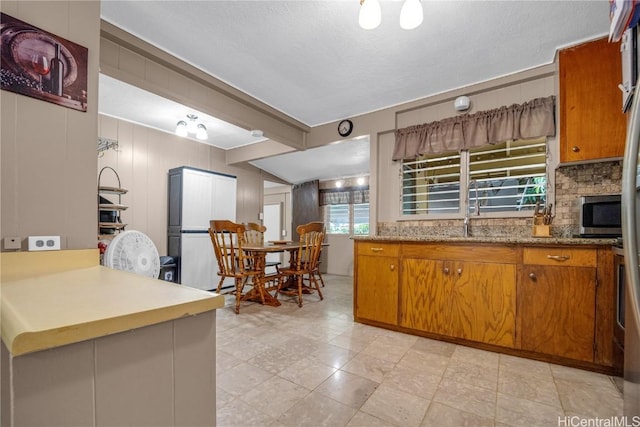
[57, 72]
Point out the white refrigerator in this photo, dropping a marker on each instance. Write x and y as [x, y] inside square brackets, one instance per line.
[197, 196]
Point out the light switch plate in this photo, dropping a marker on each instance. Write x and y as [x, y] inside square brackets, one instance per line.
[44, 243]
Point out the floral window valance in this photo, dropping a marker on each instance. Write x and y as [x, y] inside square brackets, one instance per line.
[344, 196]
[533, 119]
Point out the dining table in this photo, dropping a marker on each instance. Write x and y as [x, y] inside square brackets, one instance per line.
[260, 293]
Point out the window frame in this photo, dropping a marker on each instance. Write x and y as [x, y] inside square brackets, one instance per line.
[351, 215]
[551, 165]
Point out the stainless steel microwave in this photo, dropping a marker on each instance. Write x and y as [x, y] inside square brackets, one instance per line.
[599, 216]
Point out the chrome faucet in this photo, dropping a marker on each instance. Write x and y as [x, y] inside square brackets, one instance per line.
[476, 207]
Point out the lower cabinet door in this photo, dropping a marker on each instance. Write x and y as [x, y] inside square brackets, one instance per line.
[377, 289]
[557, 309]
[425, 301]
[484, 302]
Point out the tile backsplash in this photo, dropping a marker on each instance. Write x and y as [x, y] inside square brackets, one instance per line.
[571, 181]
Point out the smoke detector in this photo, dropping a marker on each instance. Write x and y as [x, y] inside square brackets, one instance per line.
[462, 103]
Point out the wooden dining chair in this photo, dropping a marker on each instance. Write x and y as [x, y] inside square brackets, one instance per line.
[304, 263]
[254, 235]
[233, 262]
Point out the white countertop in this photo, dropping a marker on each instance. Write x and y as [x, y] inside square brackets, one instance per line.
[43, 310]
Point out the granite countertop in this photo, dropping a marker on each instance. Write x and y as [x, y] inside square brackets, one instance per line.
[42, 311]
[527, 240]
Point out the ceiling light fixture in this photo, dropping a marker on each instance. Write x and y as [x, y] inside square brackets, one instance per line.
[370, 14]
[191, 127]
[411, 15]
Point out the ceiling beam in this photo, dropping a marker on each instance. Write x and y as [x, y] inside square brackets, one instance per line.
[136, 62]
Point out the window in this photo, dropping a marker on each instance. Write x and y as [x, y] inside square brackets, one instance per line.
[346, 211]
[504, 178]
[431, 184]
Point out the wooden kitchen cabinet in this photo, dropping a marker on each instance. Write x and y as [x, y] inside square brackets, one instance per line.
[557, 302]
[546, 301]
[484, 303]
[457, 297]
[376, 291]
[425, 303]
[592, 125]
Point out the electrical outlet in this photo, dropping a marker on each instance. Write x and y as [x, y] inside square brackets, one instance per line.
[44, 243]
[12, 243]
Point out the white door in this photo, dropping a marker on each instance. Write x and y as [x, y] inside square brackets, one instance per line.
[197, 190]
[198, 266]
[225, 189]
[272, 220]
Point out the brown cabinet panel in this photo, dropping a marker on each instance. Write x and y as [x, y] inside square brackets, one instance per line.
[484, 303]
[557, 310]
[578, 257]
[461, 252]
[592, 125]
[378, 249]
[376, 293]
[425, 299]
[474, 301]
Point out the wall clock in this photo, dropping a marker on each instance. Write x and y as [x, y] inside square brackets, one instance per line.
[345, 127]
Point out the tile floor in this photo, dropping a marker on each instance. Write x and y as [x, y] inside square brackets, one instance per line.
[313, 366]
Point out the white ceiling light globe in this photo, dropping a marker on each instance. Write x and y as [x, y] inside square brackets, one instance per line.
[370, 14]
[411, 15]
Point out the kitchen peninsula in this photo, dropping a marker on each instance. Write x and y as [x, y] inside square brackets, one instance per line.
[86, 345]
[549, 299]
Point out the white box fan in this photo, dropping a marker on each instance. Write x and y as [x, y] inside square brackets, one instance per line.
[133, 251]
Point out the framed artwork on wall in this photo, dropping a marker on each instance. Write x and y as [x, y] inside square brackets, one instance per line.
[42, 65]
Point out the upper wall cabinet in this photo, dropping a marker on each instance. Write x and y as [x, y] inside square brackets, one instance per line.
[592, 125]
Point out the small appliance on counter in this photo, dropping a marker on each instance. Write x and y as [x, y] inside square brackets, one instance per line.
[599, 215]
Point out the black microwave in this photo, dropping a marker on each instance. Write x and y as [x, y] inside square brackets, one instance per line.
[599, 216]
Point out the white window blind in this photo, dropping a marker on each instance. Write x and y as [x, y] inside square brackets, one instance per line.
[509, 177]
[361, 218]
[431, 184]
[336, 219]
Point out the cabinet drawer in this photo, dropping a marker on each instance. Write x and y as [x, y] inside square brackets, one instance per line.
[574, 257]
[378, 249]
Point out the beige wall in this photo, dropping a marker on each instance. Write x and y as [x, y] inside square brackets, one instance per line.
[159, 375]
[142, 161]
[48, 152]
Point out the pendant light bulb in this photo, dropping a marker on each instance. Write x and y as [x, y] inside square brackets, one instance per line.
[411, 14]
[201, 133]
[370, 14]
[181, 128]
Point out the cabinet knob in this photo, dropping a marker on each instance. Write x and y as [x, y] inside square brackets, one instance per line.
[392, 267]
[376, 249]
[532, 276]
[446, 270]
[575, 148]
[459, 271]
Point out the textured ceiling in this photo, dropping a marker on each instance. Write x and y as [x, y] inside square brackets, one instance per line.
[311, 60]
